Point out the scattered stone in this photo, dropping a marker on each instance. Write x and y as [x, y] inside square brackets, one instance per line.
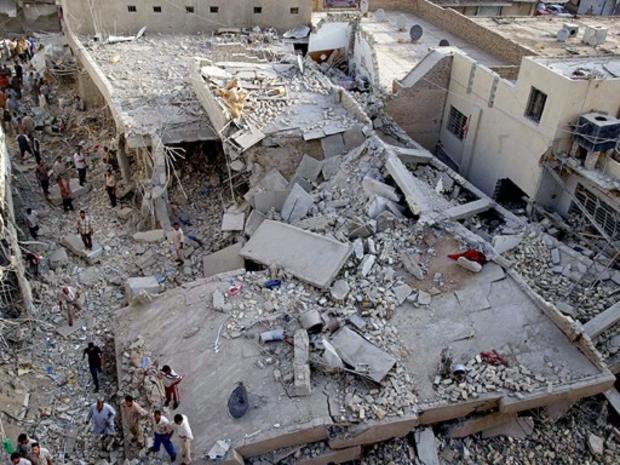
[340, 290]
[154, 235]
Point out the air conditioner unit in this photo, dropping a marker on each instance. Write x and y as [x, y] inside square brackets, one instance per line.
[597, 132]
[594, 36]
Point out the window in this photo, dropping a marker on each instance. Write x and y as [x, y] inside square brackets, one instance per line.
[189, 9]
[535, 105]
[457, 123]
[602, 212]
[157, 9]
[294, 11]
[132, 8]
[214, 9]
[258, 10]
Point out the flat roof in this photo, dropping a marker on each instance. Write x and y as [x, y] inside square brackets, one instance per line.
[584, 68]
[150, 88]
[395, 52]
[539, 34]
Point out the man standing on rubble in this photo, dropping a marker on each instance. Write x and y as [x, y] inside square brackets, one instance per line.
[42, 172]
[24, 145]
[95, 362]
[32, 220]
[85, 230]
[163, 430]
[171, 385]
[101, 415]
[70, 298]
[79, 160]
[132, 413]
[65, 194]
[178, 238]
[185, 434]
[110, 185]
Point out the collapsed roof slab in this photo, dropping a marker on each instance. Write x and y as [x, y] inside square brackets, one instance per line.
[308, 256]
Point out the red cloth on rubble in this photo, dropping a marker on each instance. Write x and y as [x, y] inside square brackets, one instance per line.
[470, 254]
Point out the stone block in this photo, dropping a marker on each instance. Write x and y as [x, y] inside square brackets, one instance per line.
[137, 287]
[353, 137]
[468, 209]
[154, 235]
[426, 446]
[58, 258]
[255, 218]
[505, 243]
[226, 259]
[470, 265]
[233, 221]
[301, 346]
[74, 244]
[309, 168]
[374, 187]
[296, 205]
[410, 262]
[333, 145]
[340, 290]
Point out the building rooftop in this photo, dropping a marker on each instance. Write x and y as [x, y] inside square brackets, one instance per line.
[584, 68]
[396, 54]
[148, 84]
[539, 34]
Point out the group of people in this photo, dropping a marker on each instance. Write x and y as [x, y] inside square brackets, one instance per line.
[30, 452]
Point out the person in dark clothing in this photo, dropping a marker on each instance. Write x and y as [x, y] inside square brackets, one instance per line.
[24, 145]
[95, 362]
[19, 71]
[42, 172]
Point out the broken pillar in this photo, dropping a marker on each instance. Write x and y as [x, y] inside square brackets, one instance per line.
[302, 385]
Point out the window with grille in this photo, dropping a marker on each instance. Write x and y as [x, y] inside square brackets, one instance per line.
[157, 9]
[457, 122]
[605, 216]
[189, 9]
[535, 105]
[214, 9]
[132, 8]
[258, 10]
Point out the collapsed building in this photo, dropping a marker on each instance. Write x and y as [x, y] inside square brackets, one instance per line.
[340, 301]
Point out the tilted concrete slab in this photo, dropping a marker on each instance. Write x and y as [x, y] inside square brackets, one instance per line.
[603, 321]
[308, 256]
[226, 259]
[468, 209]
[74, 244]
[408, 155]
[137, 286]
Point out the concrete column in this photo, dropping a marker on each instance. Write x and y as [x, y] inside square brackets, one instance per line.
[123, 163]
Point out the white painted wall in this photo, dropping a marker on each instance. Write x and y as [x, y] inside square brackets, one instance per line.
[501, 141]
[330, 36]
[363, 58]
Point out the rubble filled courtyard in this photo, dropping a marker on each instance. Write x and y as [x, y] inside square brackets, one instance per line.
[277, 267]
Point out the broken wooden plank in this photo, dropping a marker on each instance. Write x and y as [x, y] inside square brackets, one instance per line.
[603, 321]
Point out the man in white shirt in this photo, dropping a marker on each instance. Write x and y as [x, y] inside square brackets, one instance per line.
[69, 298]
[79, 160]
[32, 220]
[40, 455]
[185, 434]
[101, 415]
[178, 238]
[163, 430]
[17, 459]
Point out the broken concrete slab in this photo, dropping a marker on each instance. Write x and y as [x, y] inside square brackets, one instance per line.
[310, 257]
[58, 258]
[603, 321]
[402, 292]
[297, 204]
[411, 155]
[302, 385]
[309, 168]
[272, 181]
[374, 187]
[154, 235]
[88, 277]
[426, 446]
[518, 428]
[410, 262]
[226, 259]
[613, 397]
[340, 290]
[367, 263]
[233, 221]
[76, 191]
[363, 356]
[353, 137]
[468, 209]
[505, 243]
[268, 200]
[137, 288]
[377, 205]
[74, 244]
[332, 145]
[331, 166]
[66, 330]
[255, 218]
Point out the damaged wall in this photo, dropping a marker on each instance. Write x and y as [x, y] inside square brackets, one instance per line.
[418, 100]
[29, 16]
[128, 17]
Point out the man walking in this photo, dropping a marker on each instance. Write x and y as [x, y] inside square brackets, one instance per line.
[95, 362]
[101, 415]
[35, 145]
[110, 185]
[163, 431]
[85, 230]
[171, 385]
[42, 172]
[32, 220]
[79, 160]
[178, 238]
[65, 194]
[70, 299]
[40, 455]
[59, 168]
[185, 434]
[132, 413]
[24, 146]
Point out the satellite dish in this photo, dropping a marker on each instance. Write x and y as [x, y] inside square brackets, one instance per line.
[444, 43]
[563, 35]
[380, 15]
[364, 6]
[416, 32]
[401, 23]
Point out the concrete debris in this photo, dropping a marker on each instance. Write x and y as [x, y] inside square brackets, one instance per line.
[309, 168]
[154, 235]
[374, 187]
[410, 262]
[139, 289]
[470, 265]
[426, 446]
[596, 444]
[302, 384]
[518, 428]
[58, 258]
[505, 243]
[402, 292]
[297, 204]
[253, 222]
[340, 290]
[468, 209]
[232, 221]
[227, 259]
